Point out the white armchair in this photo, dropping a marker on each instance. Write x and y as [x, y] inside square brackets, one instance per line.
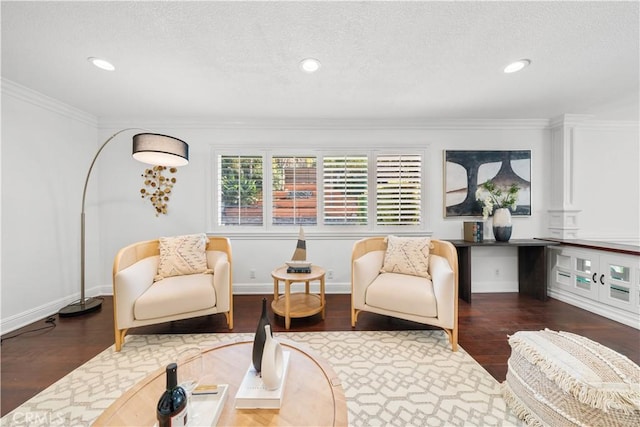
[139, 301]
[432, 301]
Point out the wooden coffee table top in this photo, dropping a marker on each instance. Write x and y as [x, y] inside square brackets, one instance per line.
[313, 395]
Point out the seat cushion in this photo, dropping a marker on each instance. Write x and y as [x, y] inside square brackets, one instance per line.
[176, 295]
[402, 293]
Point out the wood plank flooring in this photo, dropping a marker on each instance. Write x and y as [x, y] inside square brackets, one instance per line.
[33, 361]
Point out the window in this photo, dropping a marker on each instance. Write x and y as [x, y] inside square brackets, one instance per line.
[240, 183]
[370, 190]
[398, 189]
[295, 192]
[345, 180]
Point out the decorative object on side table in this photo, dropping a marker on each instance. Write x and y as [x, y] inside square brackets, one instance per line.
[300, 254]
[299, 263]
[260, 337]
[499, 202]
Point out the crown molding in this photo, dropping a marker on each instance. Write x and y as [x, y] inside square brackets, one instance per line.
[585, 121]
[22, 93]
[332, 124]
[612, 125]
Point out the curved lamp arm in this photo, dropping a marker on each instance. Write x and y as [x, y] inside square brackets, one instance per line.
[148, 148]
[82, 226]
[93, 162]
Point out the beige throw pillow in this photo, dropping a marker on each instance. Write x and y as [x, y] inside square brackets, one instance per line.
[182, 255]
[407, 255]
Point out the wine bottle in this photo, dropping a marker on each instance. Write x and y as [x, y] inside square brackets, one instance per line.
[172, 406]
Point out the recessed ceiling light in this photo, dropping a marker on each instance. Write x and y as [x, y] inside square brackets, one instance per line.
[101, 63]
[309, 65]
[517, 66]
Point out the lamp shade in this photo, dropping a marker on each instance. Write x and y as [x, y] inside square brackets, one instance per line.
[157, 149]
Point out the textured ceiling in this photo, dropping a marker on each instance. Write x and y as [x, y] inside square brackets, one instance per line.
[394, 60]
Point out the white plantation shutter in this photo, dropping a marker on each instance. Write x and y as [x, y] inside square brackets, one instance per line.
[345, 190]
[398, 189]
[294, 190]
[240, 190]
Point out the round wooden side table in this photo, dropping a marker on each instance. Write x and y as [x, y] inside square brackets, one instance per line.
[297, 304]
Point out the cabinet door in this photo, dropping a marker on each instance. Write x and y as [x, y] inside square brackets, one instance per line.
[585, 274]
[618, 282]
[561, 268]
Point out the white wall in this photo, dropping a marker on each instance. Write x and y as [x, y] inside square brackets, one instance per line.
[607, 182]
[125, 218]
[47, 148]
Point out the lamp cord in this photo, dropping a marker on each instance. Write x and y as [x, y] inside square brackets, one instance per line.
[50, 325]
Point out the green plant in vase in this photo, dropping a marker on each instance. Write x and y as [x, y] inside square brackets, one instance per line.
[498, 202]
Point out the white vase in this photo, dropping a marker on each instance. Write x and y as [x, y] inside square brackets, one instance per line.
[502, 224]
[272, 362]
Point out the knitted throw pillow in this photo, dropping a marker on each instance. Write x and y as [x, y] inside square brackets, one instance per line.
[407, 255]
[182, 255]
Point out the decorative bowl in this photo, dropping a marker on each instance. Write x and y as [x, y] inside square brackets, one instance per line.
[298, 264]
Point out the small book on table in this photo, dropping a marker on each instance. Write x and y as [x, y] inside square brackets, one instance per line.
[306, 270]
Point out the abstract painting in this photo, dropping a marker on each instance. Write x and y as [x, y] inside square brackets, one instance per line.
[464, 171]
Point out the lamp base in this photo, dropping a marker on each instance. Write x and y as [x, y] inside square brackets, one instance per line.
[82, 307]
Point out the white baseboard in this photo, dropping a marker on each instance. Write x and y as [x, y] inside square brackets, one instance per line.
[38, 313]
[267, 288]
[610, 312]
[493, 287]
[33, 315]
[27, 317]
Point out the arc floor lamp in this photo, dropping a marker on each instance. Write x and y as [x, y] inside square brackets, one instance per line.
[150, 148]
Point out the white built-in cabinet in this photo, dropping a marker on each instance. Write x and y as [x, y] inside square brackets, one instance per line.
[606, 283]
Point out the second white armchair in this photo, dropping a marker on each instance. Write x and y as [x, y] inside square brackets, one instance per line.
[428, 295]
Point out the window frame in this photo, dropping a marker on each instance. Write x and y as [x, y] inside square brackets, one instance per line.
[268, 227]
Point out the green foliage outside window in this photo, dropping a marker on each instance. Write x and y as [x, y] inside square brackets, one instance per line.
[241, 181]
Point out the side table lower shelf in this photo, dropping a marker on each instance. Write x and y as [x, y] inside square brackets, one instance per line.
[301, 305]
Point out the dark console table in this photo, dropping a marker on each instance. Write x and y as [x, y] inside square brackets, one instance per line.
[532, 265]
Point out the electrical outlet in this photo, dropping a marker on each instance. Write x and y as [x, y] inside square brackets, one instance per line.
[497, 272]
[330, 274]
[252, 274]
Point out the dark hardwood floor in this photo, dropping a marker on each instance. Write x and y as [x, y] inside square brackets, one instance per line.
[33, 361]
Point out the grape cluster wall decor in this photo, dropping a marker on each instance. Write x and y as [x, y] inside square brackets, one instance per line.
[158, 187]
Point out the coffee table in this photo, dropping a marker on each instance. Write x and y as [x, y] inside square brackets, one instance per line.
[297, 304]
[313, 395]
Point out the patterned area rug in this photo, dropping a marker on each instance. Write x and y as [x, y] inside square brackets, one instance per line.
[400, 378]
